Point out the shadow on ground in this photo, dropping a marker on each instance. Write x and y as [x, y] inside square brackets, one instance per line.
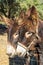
[3, 29]
[17, 61]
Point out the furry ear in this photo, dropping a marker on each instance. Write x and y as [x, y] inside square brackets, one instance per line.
[22, 13]
[33, 15]
[33, 12]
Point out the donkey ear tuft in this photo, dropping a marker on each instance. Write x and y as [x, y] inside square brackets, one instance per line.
[33, 9]
[33, 13]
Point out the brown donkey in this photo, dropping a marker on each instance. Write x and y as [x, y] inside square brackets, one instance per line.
[22, 34]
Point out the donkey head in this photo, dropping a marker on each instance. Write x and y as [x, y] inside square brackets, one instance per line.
[20, 33]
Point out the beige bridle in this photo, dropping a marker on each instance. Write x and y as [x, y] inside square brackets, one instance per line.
[21, 49]
[27, 48]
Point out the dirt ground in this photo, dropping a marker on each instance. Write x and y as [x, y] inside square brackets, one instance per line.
[3, 57]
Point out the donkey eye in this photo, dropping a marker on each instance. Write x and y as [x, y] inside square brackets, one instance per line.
[28, 32]
[16, 34]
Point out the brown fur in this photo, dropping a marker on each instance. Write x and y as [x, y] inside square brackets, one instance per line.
[29, 23]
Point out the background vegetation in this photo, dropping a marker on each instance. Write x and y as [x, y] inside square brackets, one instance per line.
[12, 8]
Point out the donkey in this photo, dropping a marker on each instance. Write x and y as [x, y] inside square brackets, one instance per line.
[21, 35]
